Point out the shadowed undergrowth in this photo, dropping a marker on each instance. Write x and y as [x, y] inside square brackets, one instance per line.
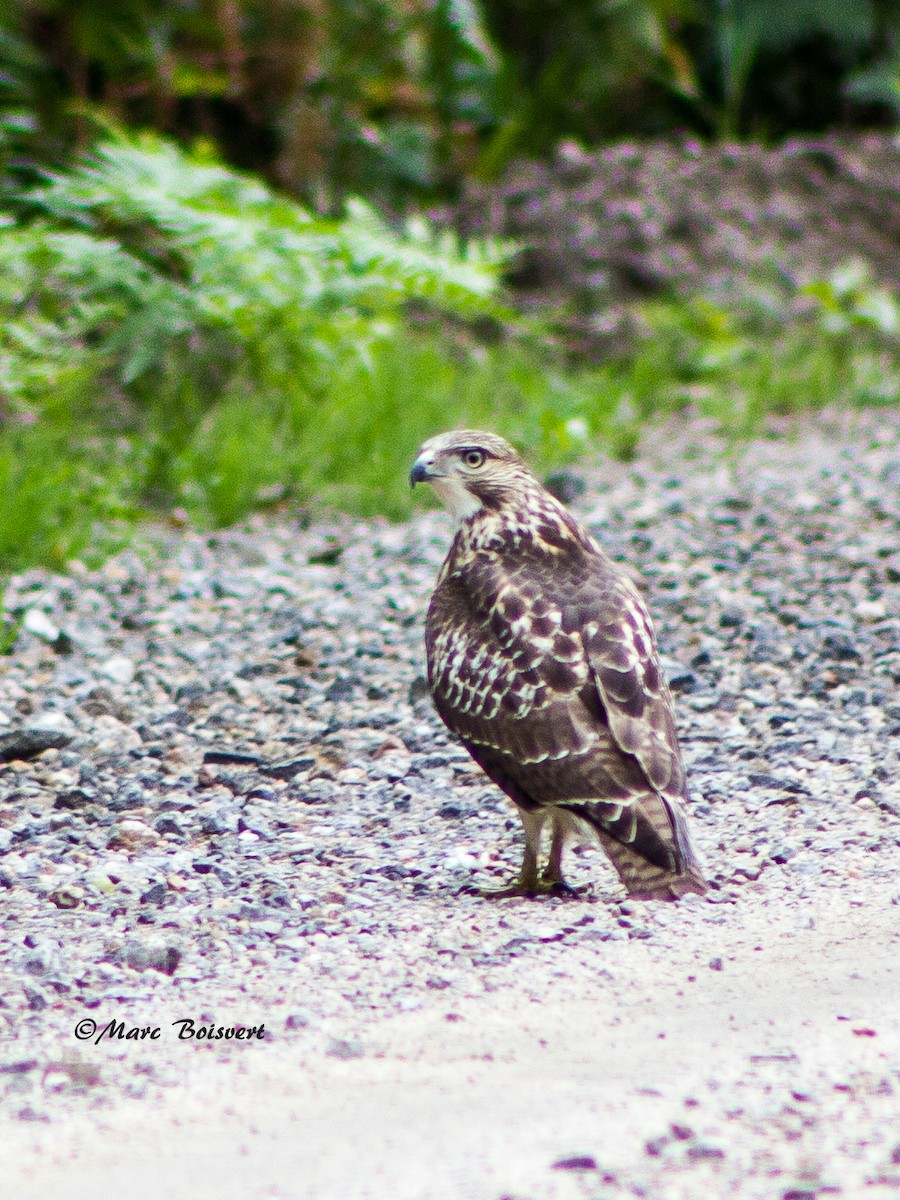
[176, 336]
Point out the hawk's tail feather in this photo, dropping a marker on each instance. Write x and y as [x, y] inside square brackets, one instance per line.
[672, 888]
[647, 881]
[650, 866]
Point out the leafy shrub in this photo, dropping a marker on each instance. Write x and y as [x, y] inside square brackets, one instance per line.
[148, 260]
[174, 334]
[400, 101]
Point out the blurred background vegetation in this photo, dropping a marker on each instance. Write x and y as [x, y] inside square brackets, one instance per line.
[401, 99]
[217, 292]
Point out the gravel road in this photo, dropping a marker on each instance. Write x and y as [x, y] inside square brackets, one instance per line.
[225, 800]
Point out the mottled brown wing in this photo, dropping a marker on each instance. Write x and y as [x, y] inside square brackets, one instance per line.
[621, 650]
[562, 701]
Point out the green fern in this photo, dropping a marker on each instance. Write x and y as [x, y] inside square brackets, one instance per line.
[147, 263]
[261, 267]
[197, 314]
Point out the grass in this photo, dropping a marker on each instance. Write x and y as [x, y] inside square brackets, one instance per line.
[72, 488]
[173, 335]
[62, 496]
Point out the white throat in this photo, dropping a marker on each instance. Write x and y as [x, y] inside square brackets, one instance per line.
[453, 494]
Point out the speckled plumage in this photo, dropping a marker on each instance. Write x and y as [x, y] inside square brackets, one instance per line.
[542, 660]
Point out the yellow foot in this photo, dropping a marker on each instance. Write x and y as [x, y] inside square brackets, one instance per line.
[530, 888]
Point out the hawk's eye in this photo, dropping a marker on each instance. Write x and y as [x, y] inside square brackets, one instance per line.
[473, 458]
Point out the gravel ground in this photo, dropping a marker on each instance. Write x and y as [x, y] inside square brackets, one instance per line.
[226, 798]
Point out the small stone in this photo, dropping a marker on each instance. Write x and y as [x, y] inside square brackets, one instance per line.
[680, 679]
[77, 1072]
[34, 997]
[154, 894]
[390, 745]
[231, 757]
[870, 610]
[342, 688]
[25, 744]
[701, 1151]
[132, 834]
[344, 1049]
[156, 956]
[68, 896]
[731, 618]
[119, 668]
[29, 1113]
[112, 736]
[51, 720]
[297, 1020]
[18, 1066]
[289, 768]
[74, 799]
[565, 485]
[40, 625]
[166, 824]
[99, 880]
[418, 691]
[577, 1162]
[783, 853]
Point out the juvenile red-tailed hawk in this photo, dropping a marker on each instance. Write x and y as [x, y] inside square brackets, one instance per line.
[542, 660]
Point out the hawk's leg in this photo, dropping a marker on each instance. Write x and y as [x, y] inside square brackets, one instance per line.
[552, 880]
[530, 882]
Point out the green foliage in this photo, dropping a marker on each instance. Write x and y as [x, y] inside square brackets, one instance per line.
[10, 626]
[203, 249]
[173, 334]
[746, 28]
[69, 488]
[848, 300]
[329, 99]
[400, 101]
[360, 440]
[240, 456]
[879, 84]
[150, 270]
[59, 499]
[201, 319]
[739, 370]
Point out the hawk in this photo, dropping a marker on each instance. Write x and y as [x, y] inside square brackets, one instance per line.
[542, 661]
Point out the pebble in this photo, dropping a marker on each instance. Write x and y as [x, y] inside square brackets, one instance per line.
[269, 811]
[40, 625]
[118, 668]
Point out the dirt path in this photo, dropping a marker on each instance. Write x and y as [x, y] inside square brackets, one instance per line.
[777, 1075]
[252, 815]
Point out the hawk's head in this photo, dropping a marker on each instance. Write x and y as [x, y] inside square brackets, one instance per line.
[470, 470]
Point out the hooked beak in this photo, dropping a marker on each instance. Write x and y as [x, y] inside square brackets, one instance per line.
[421, 470]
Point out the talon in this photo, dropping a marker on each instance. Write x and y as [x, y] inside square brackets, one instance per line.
[526, 884]
[530, 889]
[514, 889]
[559, 887]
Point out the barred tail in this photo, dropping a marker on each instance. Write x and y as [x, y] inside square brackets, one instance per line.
[653, 863]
